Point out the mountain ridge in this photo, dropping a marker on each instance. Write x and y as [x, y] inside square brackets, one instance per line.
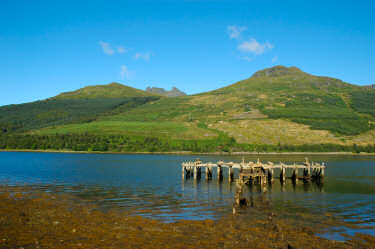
[174, 92]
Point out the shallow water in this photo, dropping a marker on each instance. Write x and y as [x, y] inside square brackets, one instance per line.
[152, 186]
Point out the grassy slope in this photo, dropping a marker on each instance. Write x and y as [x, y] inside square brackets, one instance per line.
[285, 95]
[112, 90]
[152, 129]
[276, 105]
[84, 105]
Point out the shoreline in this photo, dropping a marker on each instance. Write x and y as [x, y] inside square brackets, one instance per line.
[192, 153]
[45, 220]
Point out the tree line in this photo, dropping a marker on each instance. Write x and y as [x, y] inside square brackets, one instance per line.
[124, 143]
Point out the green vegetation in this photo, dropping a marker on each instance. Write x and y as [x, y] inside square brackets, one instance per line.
[364, 101]
[35, 115]
[277, 109]
[116, 143]
[321, 113]
[155, 129]
[124, 143]
[112, 90]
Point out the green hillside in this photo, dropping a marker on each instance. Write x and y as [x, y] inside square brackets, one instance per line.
[84, 105]
[112, 90]
[277, 108]
[322, 103]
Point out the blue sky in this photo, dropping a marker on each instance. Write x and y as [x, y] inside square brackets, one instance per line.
[48, 47]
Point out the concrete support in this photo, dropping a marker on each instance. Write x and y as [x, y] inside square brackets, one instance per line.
[195, 172]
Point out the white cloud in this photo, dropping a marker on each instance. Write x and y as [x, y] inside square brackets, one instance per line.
[235, 31]
[121, 50]
[274, 59]
[252, 46]
[106, 48]
[246, 58]
[126, 73]
[144, 56]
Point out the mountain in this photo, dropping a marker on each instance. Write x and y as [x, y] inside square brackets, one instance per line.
[278, 104]
[275, 106]
[370, 86]
[174, 92]
[112, 90]
[83, 105]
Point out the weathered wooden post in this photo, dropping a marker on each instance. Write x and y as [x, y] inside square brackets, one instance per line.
[210, 172]
[199, 171]
[219, 172]
[308, 172]
[195, 172]
[187, 171]
[183, 171]
[295, 175]
[282, 174]
[270, 175]
[230, 173]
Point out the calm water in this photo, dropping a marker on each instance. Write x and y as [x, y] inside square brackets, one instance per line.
[152, 185]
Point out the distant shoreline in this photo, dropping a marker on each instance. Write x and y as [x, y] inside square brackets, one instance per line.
[193, 153]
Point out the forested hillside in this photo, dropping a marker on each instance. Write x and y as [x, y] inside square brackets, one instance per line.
[81, 106]
[278, 108]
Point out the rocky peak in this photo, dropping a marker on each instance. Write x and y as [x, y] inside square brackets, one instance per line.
[174, 92]
[278, 71]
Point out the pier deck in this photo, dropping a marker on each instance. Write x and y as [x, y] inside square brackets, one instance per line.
[250, 171]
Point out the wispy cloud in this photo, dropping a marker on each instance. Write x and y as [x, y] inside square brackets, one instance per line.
[144, 56]
[274, 59]
[254, 47]
[126, 73]
[246, 58]
[106, 48]
[235, 31]
[121, 50]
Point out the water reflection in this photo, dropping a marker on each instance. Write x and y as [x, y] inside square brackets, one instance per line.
[151, 185]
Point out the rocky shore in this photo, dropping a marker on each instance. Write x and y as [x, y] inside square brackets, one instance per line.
[40, 220]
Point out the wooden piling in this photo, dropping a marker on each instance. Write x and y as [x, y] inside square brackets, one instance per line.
[282, 174]
[295, 175]
[230, 173]
[251, 172]
[219, 172]
[270, 175]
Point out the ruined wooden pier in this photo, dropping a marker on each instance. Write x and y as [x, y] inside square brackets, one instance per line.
[254, 171]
